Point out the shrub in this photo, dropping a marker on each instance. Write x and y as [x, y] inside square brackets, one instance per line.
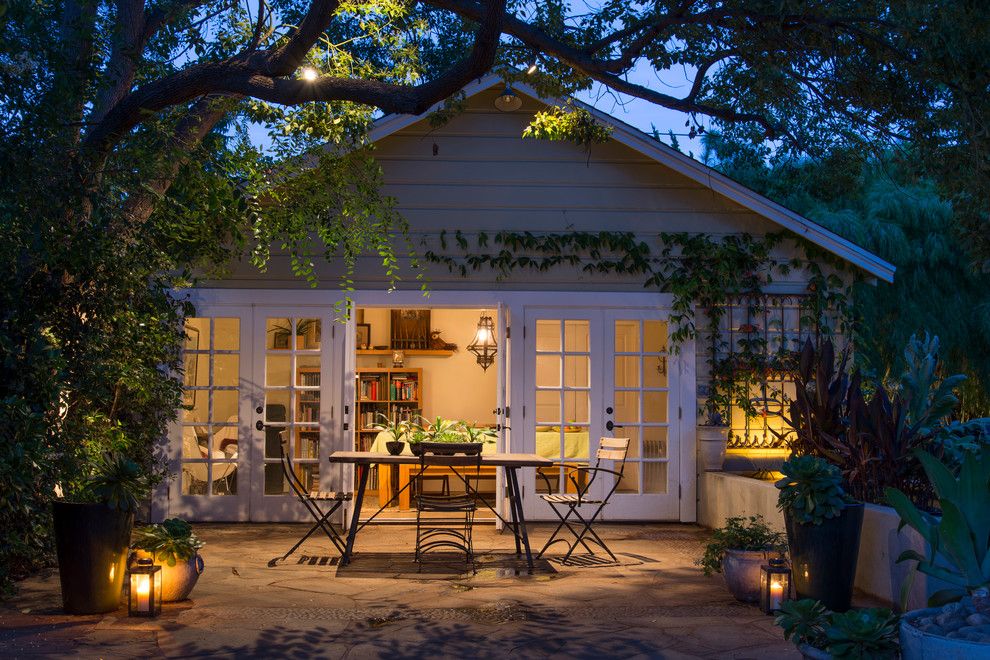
[739, 533]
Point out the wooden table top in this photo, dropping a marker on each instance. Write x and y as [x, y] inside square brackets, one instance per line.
[499, 460]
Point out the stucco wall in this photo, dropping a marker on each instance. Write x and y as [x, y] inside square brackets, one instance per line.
[722, 495]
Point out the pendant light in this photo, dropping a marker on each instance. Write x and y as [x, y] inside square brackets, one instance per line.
[484, 345]
[507, 101]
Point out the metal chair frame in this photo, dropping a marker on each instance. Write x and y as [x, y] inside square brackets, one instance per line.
[311, 501]
[430, 535]
[612, 449]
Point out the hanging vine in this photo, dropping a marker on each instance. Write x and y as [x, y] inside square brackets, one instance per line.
[701, 273]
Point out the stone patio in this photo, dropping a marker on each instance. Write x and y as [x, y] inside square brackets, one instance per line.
[655, 603]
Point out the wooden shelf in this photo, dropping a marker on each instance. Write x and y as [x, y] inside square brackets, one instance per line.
[407, 352]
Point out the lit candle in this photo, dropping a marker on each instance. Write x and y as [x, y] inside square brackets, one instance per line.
[143, 593]
[776, 595]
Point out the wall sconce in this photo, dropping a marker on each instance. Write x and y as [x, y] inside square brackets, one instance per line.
[484, 345]
[508, 101]
[775, 585]
[144, 595]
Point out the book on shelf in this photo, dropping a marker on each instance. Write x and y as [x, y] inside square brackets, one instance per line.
[309, 378]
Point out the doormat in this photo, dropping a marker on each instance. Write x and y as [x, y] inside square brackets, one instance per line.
[441, 566]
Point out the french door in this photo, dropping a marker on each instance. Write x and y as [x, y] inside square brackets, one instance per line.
[598, 372]
[255, 375]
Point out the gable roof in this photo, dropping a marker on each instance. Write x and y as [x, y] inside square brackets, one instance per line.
[708, 177]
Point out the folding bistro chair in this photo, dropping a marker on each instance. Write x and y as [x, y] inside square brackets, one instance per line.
[312, 500]
[566, 505]
[451, 531]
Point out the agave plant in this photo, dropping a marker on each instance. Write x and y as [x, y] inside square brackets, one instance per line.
[439, 430]
[477, 434]
[398, 430]
[118, 482]
[811, 490]
[958, 543]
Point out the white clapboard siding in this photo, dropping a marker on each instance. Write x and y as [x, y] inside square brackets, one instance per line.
[478, 174]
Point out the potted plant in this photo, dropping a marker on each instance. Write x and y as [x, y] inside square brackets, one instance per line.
[737, 551]
[869, 633]
[713, 436]
[957, 622]
[92, 533]
[173, 545]
[445, 431]
[823, 530]
[398, 430]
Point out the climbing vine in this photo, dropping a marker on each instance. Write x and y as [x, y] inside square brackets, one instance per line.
[701, 273]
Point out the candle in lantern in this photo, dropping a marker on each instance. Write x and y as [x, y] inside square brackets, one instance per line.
[143, 593]
[776, 595]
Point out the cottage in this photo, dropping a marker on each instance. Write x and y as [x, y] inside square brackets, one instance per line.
[569, 355]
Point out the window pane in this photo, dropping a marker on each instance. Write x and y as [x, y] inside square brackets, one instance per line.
[309, 475]
[655, 339]
[626, 407]
[194, 478]
[631, 432]
[275, 482]
[307, 406]
[308, 370]
[655, 371]
[198, 407]
[197, 334]
[273, 441]
[278, 334]
[276, 406]
[548, 336]
[548, 371]
[307, 443]
[577, 407]
[224, 445]
[225, 479]
[655, 442]
[548, 407]
[226, 371]
[226, 334]
[277, 369]
[194, 442]
[225, 406]
[577, 336]
[576, 371]
[655, 477]
[627, 336]
[626, 371]
[311, 331]
[654, 406]
[197, 370]
[630, 479]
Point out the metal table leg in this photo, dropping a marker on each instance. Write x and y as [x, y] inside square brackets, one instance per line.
[363, 471]
[518, 517]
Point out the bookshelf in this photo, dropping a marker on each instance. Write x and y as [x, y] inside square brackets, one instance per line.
[394, 392]
[307, 410]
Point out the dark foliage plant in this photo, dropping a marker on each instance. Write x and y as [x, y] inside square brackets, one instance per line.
[739, 533]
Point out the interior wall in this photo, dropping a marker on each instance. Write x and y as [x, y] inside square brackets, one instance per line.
[455, 386]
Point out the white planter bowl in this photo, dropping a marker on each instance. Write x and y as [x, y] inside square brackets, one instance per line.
[918, 645]
[741, 569]
[711, 446]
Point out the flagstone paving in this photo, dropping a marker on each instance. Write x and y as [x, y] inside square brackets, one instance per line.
[653, 604]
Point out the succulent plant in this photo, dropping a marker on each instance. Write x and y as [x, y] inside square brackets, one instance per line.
[118, 482]
[171, 541]
[959, 541]
[858, 634]
[811, 490]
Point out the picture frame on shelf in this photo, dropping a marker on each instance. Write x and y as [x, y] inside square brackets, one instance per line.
[362, 336]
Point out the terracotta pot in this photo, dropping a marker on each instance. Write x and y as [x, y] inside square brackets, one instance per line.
[712, 441]
[741, 570]
[177, 581]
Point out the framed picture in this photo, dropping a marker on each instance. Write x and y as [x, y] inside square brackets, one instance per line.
[363, 336]
[410, 328]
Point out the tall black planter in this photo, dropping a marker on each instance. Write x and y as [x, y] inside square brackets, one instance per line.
[823, 557]
[91, 542]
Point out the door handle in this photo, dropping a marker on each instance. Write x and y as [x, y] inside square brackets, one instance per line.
[260, 425]
[609, 426]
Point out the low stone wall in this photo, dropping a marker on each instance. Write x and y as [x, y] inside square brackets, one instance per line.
[722, 495]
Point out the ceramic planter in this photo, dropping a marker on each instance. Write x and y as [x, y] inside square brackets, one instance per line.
[741, 570]
[395, 447]
[919, 645]
[712, 441]
[177, 581]
[91, 543]
[823, 557]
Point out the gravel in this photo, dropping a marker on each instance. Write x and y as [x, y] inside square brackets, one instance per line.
[958, 621]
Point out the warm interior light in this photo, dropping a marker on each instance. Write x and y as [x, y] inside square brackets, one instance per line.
[532, 69]
[308, 73]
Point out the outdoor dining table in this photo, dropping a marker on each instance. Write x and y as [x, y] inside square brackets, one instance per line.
[363, 460]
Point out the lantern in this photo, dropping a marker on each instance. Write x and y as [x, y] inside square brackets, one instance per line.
[144, 597]
[484, 345]
[775, 585]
